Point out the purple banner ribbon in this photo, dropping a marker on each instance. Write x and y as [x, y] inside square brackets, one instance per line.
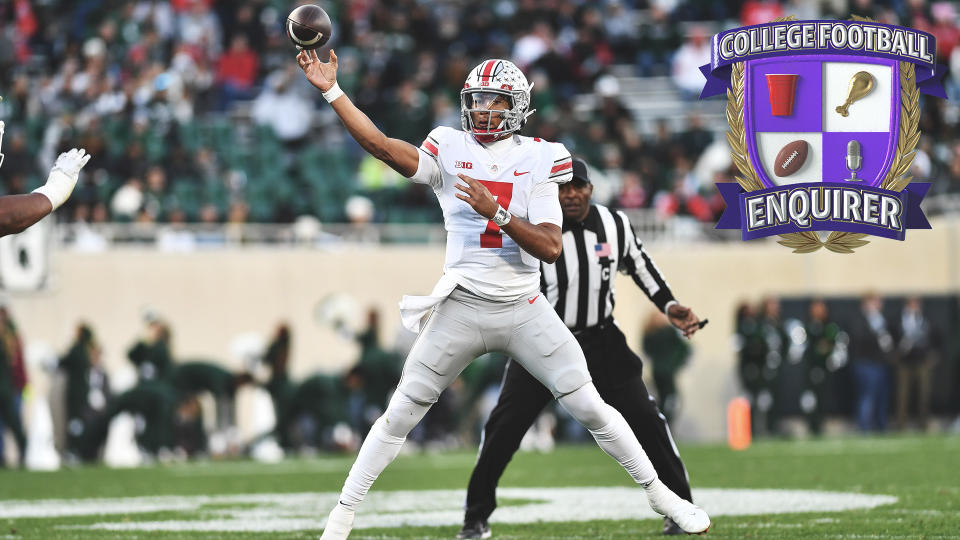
[823, 206]
[717, 72]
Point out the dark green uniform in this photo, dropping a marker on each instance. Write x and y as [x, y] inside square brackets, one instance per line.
[154, 400]
[774, 341]
[82, 379]
[669, 352]
[381, 372]
[195, 377]
[152, 360]
[750, 359]
[322, 399]
[281, 389]
[9, 412]
[482, 374]
[821, 340]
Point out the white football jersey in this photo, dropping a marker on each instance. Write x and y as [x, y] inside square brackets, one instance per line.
[517, 171]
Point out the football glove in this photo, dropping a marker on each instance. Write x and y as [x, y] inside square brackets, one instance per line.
[63, 176]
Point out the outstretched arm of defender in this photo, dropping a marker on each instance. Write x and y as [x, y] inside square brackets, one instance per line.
[17, 212]
[401, 156]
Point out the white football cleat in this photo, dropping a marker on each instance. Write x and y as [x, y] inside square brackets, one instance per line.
[339, 523]
[690, 517]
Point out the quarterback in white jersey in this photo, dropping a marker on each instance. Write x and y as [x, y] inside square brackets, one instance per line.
[523, 174]
[499, 194]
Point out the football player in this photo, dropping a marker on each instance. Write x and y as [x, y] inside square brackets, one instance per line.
[17, 212]
[499, 195]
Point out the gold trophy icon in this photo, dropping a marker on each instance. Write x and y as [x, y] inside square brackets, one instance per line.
[860, 85]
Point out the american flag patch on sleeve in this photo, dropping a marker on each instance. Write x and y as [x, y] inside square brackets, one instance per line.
[602, 250]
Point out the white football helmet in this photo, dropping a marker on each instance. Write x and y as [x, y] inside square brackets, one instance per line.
[488, 80]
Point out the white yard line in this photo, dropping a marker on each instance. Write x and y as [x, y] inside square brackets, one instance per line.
[387, 509]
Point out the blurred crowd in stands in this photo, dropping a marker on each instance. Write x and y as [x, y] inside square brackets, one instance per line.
[194, 110]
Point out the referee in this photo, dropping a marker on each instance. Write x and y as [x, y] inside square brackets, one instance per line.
[596, 242]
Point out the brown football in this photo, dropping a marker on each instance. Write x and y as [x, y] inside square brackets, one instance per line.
[309, 27]
[791, 157]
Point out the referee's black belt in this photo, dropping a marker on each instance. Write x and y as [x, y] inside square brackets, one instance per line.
[595, 329]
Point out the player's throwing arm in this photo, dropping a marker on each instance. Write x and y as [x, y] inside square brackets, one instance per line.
[401, 156]
[543, 241]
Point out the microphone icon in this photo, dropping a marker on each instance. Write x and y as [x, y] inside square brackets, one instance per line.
[854, 160]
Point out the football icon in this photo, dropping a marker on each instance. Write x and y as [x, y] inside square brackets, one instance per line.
[790, 158]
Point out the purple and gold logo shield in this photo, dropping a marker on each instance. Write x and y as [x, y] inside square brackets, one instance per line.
[823, 125]
[795, 134]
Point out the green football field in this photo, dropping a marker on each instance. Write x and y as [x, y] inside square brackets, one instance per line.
[889, 487]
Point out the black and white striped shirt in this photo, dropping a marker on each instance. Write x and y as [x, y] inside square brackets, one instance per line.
[580, 284]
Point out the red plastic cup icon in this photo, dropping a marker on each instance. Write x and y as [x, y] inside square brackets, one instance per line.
[782, 88]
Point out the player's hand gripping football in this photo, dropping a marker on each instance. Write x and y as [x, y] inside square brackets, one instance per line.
[323, 75]
[477, 196]
[683, 318]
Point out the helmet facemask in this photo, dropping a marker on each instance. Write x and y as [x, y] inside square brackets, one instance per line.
[485, 116]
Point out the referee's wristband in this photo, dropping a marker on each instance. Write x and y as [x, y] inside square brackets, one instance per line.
[502, 217]
[666, 308]
[333, 93]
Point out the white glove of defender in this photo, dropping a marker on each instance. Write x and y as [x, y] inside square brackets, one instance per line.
[63, 176]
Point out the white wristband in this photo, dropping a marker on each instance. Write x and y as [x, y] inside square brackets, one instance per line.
[333, 93]
[47, 192]
[502, 217]
[58, 188]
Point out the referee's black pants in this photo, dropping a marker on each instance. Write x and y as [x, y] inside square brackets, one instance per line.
[616, 373]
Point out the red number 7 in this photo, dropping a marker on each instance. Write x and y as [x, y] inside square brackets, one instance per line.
[502, 191]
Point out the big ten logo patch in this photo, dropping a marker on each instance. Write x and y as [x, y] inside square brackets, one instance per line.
[463, 165]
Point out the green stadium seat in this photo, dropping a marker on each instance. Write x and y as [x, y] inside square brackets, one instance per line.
[188, 195]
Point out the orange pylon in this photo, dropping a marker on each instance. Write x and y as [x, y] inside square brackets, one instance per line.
[738, 424]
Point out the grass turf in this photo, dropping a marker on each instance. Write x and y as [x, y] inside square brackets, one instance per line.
[922, 472]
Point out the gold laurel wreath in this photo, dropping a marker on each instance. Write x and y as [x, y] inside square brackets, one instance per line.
[896, 179]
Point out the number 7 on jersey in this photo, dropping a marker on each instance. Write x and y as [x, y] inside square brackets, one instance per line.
[502, 191]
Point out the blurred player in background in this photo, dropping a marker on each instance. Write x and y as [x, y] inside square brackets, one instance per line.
[917, 348]
[17, 212]
[13, 380]
[488, 298]
[873, 349]
[668, 352]
[87, 387]
[822, 334]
